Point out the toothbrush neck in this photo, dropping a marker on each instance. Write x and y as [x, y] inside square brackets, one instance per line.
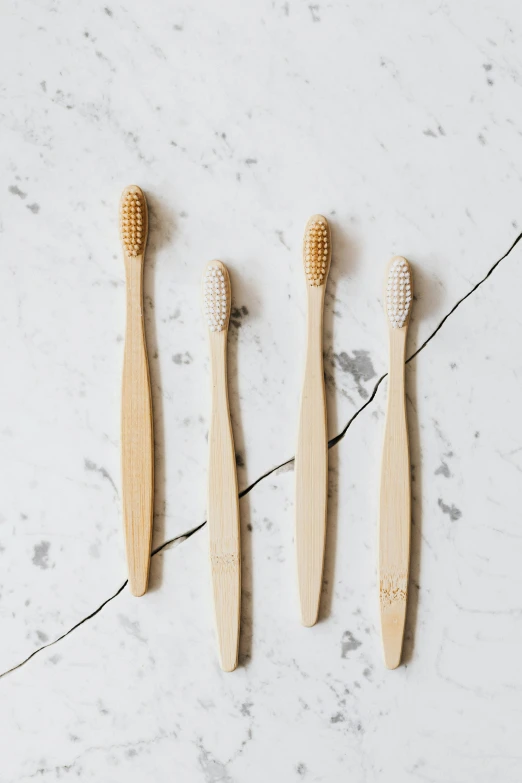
[397, 359]
[134, 275]
[218, 353]
[315, 313]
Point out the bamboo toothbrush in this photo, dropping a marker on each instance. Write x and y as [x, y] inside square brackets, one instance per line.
[395, 503]
[311, 459]
[223, 500]
[136, 416]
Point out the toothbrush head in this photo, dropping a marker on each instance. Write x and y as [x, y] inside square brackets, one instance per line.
[317, 250]
[216, 296]
[133, 221]
[399, 292]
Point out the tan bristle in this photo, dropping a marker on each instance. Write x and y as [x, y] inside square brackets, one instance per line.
[133, 221]
[399, 292]
[216, 296]
[317, 250]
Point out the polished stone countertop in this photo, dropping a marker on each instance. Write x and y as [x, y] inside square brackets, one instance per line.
[399, 123]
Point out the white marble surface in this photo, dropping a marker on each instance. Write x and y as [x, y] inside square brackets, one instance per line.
[398, 121]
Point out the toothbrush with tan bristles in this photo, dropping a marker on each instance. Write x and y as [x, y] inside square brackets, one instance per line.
[395, 500]
[223, 499]
[136, 409]
[311, 459]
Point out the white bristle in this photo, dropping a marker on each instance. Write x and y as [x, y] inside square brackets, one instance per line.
[215, 298]
[398, 293]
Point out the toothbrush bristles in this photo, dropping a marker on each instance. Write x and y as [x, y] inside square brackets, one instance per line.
[398, 292]
[215, 298]
[316, 251]
[133, 221]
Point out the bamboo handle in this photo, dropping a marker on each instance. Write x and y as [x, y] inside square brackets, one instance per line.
[395, 508]
[136, 436]
[223, 511]
[311, 467]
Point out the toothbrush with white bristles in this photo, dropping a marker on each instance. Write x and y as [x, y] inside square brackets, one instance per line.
[395, 499]
[311, 458]
[223, 500]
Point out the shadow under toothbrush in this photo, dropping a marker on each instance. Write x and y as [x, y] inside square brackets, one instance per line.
[161, 227]
[343, 262]
[416, 514]
[426, 300]
[239, 314]
[246, 631]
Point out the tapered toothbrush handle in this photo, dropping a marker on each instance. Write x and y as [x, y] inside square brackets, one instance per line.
[223, 511]
[311, 467]
[136, 436]
[395, 508]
